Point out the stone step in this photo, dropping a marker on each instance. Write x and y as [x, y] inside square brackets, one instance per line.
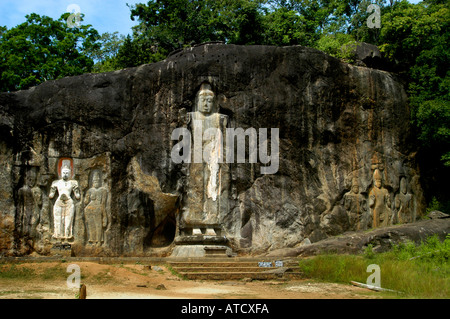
[212, 264]
[210, 255]
[226, 269]
[231, 264]
[239, 275]
[236, 270]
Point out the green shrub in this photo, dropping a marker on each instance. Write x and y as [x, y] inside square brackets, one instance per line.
[418, 271]
[341, 46]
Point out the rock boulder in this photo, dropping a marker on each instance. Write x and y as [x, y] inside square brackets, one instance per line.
[339, 127]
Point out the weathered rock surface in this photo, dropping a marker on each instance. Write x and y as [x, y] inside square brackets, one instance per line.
[337, 123]
[381, 239]
[369, 55]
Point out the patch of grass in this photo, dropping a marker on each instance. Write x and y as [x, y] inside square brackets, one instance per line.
[58, 272]
[10, 292]
[27, 272]
[175, 273]
[335, 268]
[419, 271]
[15, 272]
[103, 277]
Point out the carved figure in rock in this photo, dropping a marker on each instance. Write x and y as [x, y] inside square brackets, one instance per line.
[95, 210]
[380, 202]
[207, 174]
[403, 203]
[356, 206]
[64, 208]
[28, 209]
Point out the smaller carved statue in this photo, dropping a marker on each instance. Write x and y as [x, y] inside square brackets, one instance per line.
[95, 210]
[403, 203]
[356, 206]
[64, 208]
[28, 205]
[380, 202]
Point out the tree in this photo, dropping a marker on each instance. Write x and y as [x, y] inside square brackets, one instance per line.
[416, 38]
[42, 49]
[105, 54]
[172, 23]
[137, 51]
[306, 21]
[109, 45]
[239, 22]
[284, 27]
[339, 45]
[168, 25]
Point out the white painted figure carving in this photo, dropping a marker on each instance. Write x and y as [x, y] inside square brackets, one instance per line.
[403, 203]
[95, 210]
[356, 206]
[208, 175]
[64, 208]
[379, 202]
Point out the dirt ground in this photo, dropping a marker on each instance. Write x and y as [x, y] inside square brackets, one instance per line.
[133, 281]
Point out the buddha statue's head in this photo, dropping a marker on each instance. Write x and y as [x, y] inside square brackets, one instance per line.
[355, 186]
[205, 99]
[377, 178]
[403, 189]
[65, 173]
[96, 180]
[30, 178]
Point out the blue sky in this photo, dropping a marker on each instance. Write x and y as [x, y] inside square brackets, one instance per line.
[104, 15]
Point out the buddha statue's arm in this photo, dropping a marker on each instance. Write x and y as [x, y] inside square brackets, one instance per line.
[363, 204]
[87, 197]
[103, 205]
[76, 190]
[388, 201]
[184, 117]
[372, 199]
[37, 196]
[347, 202]
[53, 189]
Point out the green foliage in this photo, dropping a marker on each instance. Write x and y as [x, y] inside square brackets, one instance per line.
[340, 45]
[409, 30]
[432, 117]
[14, 272]
[418, 271]
[165, 26]
[108, 46]
[335, 268]
[432, 252]
[284, 27]
[433, 205]
[57, 272]
[415, 38]
[42, 49]
[368, 252]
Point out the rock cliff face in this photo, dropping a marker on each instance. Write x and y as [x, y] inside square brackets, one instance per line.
[346, 160]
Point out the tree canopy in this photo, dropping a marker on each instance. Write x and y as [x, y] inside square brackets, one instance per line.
[42, 49]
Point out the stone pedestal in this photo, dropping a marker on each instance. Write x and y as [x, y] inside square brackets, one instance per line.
[201, 241]
[61, 249]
